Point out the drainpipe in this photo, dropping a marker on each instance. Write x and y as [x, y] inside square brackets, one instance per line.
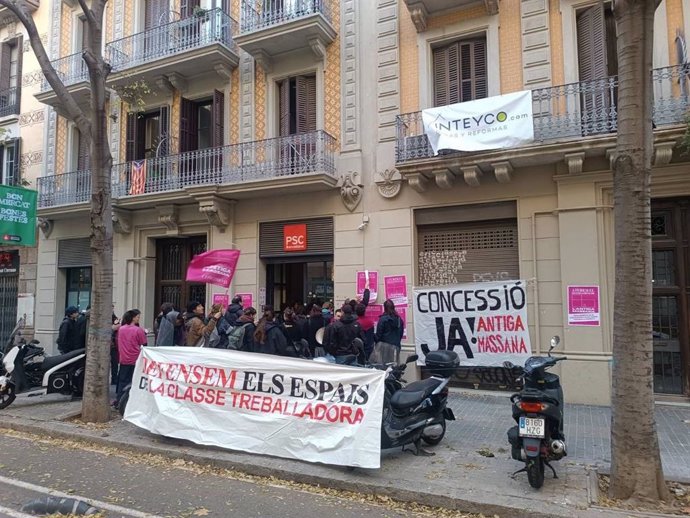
[553, 212]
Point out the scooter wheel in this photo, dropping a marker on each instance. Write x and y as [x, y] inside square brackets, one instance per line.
[535, 472]
[433, 441]
[7, 396]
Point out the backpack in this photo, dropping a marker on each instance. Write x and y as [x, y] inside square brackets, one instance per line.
[236, 337]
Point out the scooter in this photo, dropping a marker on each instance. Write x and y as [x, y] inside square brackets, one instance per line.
[417, 412]
[538, 437]
[27, 369]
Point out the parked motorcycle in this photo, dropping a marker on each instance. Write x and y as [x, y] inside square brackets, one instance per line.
[538, 437]
[417, 411]
[27, 369]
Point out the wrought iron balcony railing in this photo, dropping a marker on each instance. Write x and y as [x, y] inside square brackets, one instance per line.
[9, 101]
[570, 112]
[261, 14]
[294, 156]
[70, 69]
[199, 30]
[64, 189]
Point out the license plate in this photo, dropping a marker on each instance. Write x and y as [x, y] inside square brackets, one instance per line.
[531, 427]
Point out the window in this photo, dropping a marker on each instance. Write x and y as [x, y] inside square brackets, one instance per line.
[147, 134]
[10, 76]
[460, 71]
[297, 105]
[202, 123]
[78, 287]
[9, 162]
[596, 43]
[205, 124]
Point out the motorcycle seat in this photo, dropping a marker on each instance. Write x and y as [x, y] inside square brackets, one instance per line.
[51, 361]
[414, 393]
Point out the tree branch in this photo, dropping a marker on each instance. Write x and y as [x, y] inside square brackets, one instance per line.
[74, 112]
[87, 12]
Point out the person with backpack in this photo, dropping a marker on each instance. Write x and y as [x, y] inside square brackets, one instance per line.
[389, 333]
[268, 337]
[341, 338]
[241, 337]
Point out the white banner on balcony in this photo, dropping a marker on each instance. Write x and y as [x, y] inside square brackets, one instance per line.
[499, 122]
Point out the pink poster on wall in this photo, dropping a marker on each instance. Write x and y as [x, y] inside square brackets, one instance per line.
[247, 299]
[373, 284]
[374, 312]
[395, 288]
[583, 306]
[220, 298]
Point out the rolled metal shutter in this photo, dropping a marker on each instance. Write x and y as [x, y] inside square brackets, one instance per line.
[319, 238]
[74, 253]
[468, 252]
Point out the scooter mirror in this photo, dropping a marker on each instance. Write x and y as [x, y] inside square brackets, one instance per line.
[555, 340]
[412, 358]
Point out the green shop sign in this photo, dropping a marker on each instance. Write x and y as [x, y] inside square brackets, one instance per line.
[17, 216]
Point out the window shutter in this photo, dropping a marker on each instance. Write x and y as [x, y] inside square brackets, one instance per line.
[481, 89]
[74, 253]
[14, 167]
[19, 42]
[131, 137]
[188, 126]
[163, 131]
[441, 75]
[83, 159]
[187, 8]
[284, 109]
[306, 104]
[5, 58]
[218, 119]
[591, 43]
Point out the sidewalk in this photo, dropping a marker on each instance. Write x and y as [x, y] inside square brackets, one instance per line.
[457, 477]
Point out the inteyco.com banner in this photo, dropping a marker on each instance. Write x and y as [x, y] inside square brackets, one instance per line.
[485, 323]
[499, 122]
[246, 401]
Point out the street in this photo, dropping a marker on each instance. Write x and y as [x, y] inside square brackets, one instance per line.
[129, 485]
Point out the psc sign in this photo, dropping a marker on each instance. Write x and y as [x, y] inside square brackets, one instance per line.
[295, 237]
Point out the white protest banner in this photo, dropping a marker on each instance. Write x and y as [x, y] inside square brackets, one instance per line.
[498, 122]
[260, 403]
[485, 323]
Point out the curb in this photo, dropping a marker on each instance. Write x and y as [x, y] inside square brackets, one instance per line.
[67, 431]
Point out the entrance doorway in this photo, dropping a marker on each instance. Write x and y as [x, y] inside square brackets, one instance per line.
[172, 259]
[304, 282]
[671, 295]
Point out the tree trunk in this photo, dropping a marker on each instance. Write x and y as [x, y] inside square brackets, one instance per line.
[96, 405]
[636, 472]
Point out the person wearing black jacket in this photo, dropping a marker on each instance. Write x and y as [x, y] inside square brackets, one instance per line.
[269, 338]
[68, 335]
[315, 322]
[342, 335]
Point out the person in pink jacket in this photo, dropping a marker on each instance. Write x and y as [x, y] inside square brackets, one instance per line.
[130, 339]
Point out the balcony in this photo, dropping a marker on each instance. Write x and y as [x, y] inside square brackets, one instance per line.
[176, 51]
[30, 5]
[295, 164]
[9, 101]
[74, 74]
[569, 119]
[420, 10]
[272, 27]
[67, 189]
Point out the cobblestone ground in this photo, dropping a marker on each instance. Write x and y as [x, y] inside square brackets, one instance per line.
[482, 421]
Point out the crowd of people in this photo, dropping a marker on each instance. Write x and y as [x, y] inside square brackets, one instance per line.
[346, 335]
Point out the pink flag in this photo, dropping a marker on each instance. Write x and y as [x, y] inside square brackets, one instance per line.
[213, 267]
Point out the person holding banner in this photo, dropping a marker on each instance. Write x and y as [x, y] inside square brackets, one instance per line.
[130, 339]
[389, 333]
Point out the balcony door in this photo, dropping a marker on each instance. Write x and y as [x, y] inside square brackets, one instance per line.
[297, 110]
[147, 145]
[202, 134]
[671, 295]
[10, 76]
[597, 62]
[157, 33]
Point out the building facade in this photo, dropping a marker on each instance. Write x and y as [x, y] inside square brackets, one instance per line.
[233, 123]
[22, 119]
